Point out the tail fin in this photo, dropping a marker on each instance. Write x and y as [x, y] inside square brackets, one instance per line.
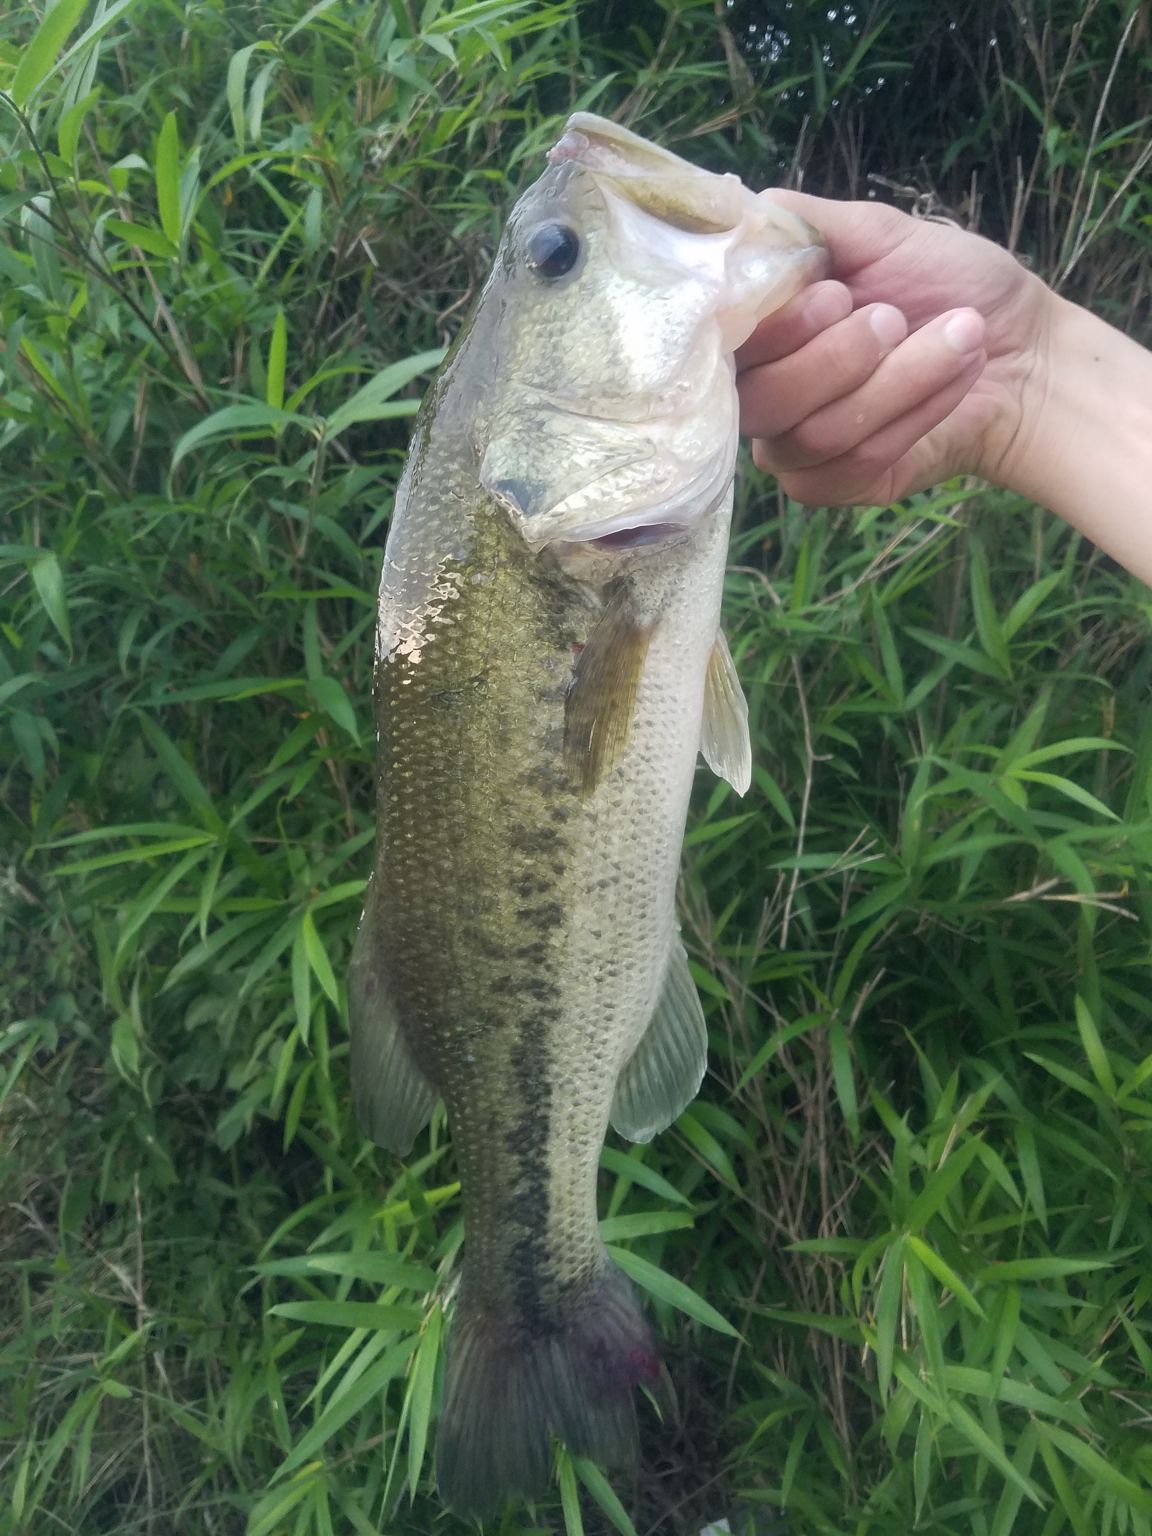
[510, 1386]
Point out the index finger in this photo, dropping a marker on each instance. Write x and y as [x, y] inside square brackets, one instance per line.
[792, 326]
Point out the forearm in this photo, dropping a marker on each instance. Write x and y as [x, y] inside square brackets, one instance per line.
[1085, 450]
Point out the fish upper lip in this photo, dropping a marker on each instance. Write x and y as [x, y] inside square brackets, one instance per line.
[633, 166]
[571, 145]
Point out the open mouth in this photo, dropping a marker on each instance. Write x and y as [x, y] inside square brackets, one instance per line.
[633, 538]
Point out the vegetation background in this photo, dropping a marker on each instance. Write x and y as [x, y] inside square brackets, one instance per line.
[899, 1249]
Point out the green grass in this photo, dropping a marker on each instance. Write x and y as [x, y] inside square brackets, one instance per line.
[898, 1248]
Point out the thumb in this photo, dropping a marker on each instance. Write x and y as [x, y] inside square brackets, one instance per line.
[856, 234]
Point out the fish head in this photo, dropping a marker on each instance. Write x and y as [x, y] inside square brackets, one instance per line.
[624, 282]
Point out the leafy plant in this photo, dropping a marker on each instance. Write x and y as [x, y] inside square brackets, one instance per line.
[895, 1248]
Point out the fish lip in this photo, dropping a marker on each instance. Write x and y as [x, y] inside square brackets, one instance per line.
[604, 534]
[639, 535]
[629, 538]
[571, 145]
[615, 547]
[614, 534]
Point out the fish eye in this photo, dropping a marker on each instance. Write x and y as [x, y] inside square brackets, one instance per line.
[553, 250]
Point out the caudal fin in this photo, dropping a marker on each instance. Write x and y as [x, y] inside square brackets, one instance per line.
[510, 1387]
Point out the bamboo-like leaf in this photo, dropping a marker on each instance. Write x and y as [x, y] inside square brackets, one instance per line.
[181, 772]
[987, 619]
[348, 1314]
[600, 1489]
[944, 1273]
[617, 1229]
[628, 1166]
[667, 1288]
[569, 1494]
[367, 1390]
[39, 56]
[843, 1074]
[137, 854]
[330, 696]
[1098, 1467]
[706, 1145]
[268, 1514]
[887, 1312]
[940, 1184]
[374, 401]
[301, 984]
[168, 178]
[1094, 1049]
[979, 1438]
[235, 86]
[69, 127]
[419, 1403]
[318, 958]
[253, 419]
[277, 361]
[1004, 1520]
[1050, 1268]
[1067, 787]
[151, 240]
[49, 583]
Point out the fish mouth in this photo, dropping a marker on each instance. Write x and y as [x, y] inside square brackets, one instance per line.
[685, 196]
[635, 528]
[678, 193]
[638, 536]
[581, 543]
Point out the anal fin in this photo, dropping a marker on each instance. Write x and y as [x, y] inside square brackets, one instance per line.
[664, 1073]
[724, 738]
[393, 1097]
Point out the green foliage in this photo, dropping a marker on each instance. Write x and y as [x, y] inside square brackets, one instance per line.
[897, 1247]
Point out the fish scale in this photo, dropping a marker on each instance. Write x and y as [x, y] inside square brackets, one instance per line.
[541, 694]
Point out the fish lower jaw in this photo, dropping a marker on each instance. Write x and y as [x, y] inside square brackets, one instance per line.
[582, 547]
[638, 535]
[602, 558]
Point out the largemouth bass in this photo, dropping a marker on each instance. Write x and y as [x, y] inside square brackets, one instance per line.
[549, 663]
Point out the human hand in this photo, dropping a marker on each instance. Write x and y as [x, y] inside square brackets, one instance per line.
[923, 356]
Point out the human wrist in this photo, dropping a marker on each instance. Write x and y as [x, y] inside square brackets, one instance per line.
[1017, 452]
[1083, 443]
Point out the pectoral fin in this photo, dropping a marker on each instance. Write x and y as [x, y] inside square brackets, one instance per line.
[724, 738]
[601, 703]
[664, 1073]
[393, 1097]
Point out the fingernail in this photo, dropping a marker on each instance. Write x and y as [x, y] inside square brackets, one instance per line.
[888, 326]
[964, 332]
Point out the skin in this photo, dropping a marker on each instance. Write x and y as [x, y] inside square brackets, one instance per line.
[931, 352]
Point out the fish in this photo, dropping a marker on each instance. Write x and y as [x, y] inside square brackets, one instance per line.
[549, 663]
